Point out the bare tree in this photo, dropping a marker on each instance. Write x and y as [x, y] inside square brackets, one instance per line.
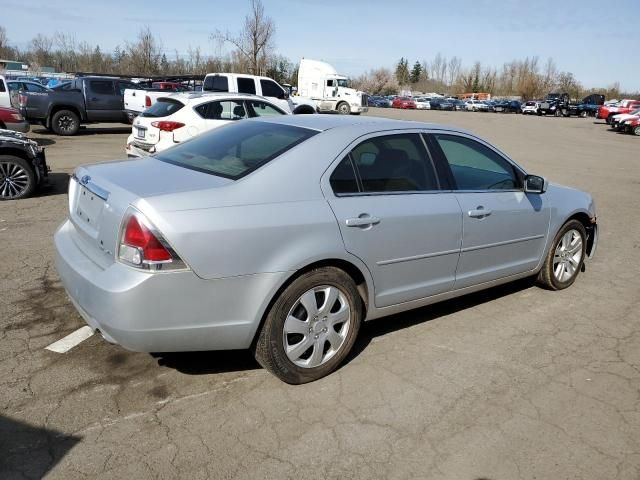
[255, 41]
[455, 64]
[144, 55]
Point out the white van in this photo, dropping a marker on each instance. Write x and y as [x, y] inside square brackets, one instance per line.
[255, 85]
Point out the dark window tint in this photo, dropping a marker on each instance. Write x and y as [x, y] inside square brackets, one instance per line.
[32, 87]
[329, 83]
[262, 109]
[64, 86]
[216, 83]
[475, 166]
[271, 89]
[101, 87]
[2, 87]
[246, 85]
[394, 163]
[13, 86]
[343, 179]
[162, 108]
[227, 110]
[235, 150]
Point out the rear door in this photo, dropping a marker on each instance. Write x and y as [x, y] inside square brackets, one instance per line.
[505, 229]
[246, 85]
[104, 104]
[275, 93]
[393, 216]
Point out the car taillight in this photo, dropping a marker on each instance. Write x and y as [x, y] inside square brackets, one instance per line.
[147, 101]
[22, 100]
[143, 246]
[166, 125]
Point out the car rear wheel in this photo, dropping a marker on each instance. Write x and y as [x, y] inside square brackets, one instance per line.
[565, 258]
[583, 114]
[17, 179]
[311, 327]
[65, 122]
[636, 130]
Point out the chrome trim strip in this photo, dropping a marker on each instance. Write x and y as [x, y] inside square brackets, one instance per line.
[499, 244]
[417, 257]
[93, 188]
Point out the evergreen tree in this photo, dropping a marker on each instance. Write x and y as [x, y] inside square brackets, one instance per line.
[416, 72]
[402, 71]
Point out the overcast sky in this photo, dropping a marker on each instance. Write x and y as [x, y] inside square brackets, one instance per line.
[596, 40]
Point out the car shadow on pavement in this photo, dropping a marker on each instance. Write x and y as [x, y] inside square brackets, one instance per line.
[385, 325]
[58, 183]
[31, 452]
[103, 130]
[44, 142]
[206, 363]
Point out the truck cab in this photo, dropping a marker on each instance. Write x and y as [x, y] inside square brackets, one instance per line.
[331, 92]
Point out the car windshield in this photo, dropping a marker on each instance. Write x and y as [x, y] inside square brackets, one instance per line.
[162, 108]
[343, 83]
[237, 149]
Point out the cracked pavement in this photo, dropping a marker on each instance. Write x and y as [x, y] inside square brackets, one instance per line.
[511, 383]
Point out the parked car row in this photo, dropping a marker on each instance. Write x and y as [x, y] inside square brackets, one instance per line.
[623, 121]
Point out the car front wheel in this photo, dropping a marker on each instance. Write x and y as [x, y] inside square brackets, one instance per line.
[17, 179]
[565, 258]
[311, 327]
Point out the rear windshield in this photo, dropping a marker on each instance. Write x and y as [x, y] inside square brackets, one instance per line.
[163, 108]
[237, 149]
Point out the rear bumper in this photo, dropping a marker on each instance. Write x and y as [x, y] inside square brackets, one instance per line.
[162, 312]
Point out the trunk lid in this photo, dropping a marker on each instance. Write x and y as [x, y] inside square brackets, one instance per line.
[99, 196]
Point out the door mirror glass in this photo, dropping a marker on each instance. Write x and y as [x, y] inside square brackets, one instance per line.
[535, 184]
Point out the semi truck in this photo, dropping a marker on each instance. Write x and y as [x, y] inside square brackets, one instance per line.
[331, 92]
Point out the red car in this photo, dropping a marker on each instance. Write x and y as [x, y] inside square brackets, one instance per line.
[623, 106]
[404, 102]
[632, 126]
[11, 119]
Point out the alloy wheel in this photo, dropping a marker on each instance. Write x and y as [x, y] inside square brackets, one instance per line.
[14, 181]
[567, 256]
[317, 326]
[65, 123]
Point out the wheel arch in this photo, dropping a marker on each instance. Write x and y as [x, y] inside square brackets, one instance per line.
[590, 227]
[358, 274]
[56, 108]
[304, 109]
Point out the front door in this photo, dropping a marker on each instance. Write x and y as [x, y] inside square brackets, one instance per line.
[505, 229]
[103, 103]
[393, 217]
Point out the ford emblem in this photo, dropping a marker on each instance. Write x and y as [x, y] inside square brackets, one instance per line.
[85, 179]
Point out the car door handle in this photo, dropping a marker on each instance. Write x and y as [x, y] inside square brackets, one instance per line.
[362, 221]
[479, 212]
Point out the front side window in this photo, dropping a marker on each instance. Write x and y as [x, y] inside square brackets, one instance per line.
[246, 85]
[237, 149]
[394, 163]
[271, 89]
[225, 110]
[475, 166]
[13, 86]
[262, 109]
[101, 87]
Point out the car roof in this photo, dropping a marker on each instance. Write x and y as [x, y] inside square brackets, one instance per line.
[199, 97]
[323, 123]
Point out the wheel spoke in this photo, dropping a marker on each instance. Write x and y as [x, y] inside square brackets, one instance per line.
[294, 351]
[316, 357]
[293, 325]
[558, 271]
[309, 302]
[330, 297]
[334, 339]
[340, 316]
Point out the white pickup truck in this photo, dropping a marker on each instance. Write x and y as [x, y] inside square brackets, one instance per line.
[5, 94]
[261, 86]
[137, 100]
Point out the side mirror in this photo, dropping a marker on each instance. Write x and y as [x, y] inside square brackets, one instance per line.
[535, 184]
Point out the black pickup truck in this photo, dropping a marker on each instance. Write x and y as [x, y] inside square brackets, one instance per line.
[558, 104]
[80, 101]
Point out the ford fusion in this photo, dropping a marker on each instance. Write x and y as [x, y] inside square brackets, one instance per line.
[283, 235]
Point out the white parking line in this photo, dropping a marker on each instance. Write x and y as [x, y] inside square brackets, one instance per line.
[67, 343]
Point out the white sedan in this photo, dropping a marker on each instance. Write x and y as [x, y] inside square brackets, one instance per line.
[181, 116]
[423, 104]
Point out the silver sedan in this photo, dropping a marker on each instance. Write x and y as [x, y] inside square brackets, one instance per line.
[283, 235]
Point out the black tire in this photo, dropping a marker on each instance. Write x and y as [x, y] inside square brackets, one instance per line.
[636, 130]
[2, 126]
[65, 122]
[17, 178]
[558, 112]
[546, 277]
[583, 114]
[343, 108]
[269, 349]
[303, 110]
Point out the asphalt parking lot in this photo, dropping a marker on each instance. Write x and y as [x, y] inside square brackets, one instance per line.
[511, 383]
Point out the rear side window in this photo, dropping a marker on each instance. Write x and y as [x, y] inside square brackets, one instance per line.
[262, 109]
[2, 87]
[101, 87]
[343, 179]
[246, 85]
[271, 89]
[163, 108]
[227, 110]
[32, 87]
[122, 86]
[394, 163]
[237, 149]
[216, 83]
